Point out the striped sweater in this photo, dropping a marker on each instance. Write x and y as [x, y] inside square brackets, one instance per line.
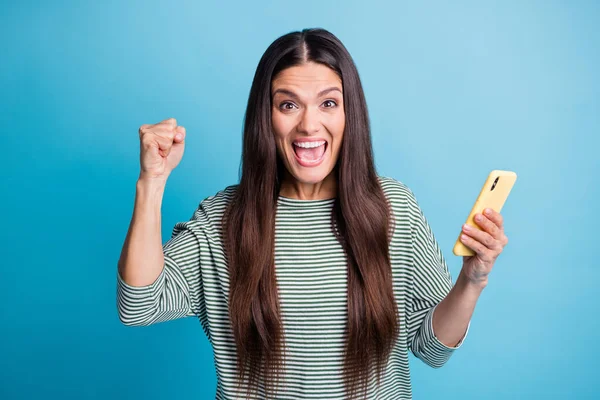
[311, 276]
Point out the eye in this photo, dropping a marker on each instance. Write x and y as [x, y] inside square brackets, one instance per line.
[329, 103]
[286, 105]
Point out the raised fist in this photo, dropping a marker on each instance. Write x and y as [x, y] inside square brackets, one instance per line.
[161, 148]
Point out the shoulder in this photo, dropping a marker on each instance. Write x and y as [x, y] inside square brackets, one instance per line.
[206, 220]
[401, 199]
[211, 209]
[219, 200]
[396, 192]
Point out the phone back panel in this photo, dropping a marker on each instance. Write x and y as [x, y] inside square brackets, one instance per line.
[493, 195]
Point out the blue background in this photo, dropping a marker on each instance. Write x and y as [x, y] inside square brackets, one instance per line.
[454, 91]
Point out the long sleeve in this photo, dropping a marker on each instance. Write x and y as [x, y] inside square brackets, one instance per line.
[178, 291]
[431, 282]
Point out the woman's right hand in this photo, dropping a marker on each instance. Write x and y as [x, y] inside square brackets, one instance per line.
[161, 149]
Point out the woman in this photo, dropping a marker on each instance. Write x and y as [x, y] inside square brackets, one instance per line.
[313, 276]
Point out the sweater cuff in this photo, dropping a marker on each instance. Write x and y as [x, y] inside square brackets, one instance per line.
[432, 340]
[154, 287]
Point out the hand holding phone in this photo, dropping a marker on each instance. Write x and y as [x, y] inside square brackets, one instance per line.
[493, 195]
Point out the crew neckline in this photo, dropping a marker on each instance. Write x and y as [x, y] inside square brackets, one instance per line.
[299, 202]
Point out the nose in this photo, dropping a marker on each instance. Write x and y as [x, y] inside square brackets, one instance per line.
[309, 122]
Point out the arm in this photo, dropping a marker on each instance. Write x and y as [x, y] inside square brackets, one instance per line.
[141, 260]
[452, 315]
[157, 283]
[455, 311]
[431, 284]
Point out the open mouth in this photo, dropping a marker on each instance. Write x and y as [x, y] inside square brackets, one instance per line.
[310, 154]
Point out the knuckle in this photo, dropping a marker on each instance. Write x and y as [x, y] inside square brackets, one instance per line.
[166, 132]
[146, 147]
[489, 254]
[162, 141]
[171, 121]
[145, 138]
[168, 136]
[147, 144]
[143, 129]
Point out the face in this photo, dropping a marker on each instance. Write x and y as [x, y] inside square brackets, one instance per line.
[308, 121]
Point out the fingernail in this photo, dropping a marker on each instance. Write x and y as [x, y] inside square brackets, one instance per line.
[463, 237]
[478, 217]
[488, 211]
[466, 227]
[178, 136]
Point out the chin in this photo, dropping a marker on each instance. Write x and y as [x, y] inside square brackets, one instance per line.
[312, 177]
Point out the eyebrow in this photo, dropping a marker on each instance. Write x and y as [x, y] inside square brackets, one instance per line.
[295, 96]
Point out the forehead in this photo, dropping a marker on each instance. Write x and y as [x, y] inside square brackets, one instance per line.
[306, 78]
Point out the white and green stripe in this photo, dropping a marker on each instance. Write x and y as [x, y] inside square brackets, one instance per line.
[311, 275]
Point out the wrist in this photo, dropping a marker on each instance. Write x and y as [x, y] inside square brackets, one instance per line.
[152, 183]
[471, 285]
[149, 192]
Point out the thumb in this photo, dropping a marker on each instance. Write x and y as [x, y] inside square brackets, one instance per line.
[179, 135]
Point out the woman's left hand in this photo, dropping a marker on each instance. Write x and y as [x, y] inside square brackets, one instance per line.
[487, 243]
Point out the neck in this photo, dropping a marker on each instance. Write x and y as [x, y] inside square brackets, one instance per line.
[294, 189]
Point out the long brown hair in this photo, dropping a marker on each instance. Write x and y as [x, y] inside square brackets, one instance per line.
[360, 218]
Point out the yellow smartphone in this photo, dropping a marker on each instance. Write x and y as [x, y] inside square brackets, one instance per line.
[493, 195]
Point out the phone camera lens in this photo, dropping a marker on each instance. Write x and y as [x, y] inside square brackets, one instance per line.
[495, 182]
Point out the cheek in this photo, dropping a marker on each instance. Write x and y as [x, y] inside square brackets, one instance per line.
[280, 126]
[280, 134]
[337, 127]
[278, 130]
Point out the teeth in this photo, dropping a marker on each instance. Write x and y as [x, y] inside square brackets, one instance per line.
[309, 145]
